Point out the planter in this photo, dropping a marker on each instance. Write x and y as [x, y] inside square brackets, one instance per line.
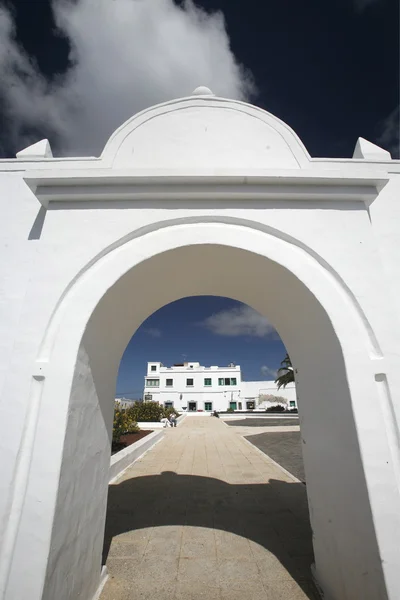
[127, 439]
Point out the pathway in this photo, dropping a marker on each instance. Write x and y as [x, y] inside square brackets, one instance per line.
[205, 515]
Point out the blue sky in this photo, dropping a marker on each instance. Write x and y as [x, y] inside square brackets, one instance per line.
[208, 329]
[75, 71]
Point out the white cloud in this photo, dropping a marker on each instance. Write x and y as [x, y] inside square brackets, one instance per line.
[125, 55]
[153, 332]
[268, 372]
[241, 320]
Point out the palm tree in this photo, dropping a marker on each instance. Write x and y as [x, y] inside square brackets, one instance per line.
[285, 373]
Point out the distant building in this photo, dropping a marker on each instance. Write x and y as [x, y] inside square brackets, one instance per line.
[193, 387]
[125, 402]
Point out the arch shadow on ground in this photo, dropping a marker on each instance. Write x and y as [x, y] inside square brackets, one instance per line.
[274, 514]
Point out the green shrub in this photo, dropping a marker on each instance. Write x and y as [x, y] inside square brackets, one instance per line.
[123, 423]
[276, 409]
[230, 410]
[146, 412]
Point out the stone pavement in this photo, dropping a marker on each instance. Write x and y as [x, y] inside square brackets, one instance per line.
[205, 515]
[284, 447]
[276, 438]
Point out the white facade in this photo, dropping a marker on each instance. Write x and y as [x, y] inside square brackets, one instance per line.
[124, 402]
[192, 387]
[257, 391]
[197, 196]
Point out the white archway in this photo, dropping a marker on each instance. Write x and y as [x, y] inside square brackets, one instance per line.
[200, 195]
[91, 334]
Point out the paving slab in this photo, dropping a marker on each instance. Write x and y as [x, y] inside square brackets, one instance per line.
[205, 515]
[284, 447]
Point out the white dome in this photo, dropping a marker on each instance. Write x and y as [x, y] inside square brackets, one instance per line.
[202, 90]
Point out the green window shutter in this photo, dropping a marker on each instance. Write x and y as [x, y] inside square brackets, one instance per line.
[152, 382]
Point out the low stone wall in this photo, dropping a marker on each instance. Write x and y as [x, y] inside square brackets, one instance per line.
[197, 413]
[150, 425]
[121, 460]
[157, 424]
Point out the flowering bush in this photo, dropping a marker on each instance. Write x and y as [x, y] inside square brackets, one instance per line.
[147, 412]
[123, 423]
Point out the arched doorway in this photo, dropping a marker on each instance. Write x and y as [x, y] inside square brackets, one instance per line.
[230, 260]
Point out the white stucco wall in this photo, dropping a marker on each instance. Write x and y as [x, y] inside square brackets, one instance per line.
[309, 243]
[183, 396]
[255, 389]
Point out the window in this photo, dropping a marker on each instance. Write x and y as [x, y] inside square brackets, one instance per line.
[152, 382]
[148, 397]
[240, 406]
[153, 367]
[227, 381]
[189, 382]
[208, 382]
[169, 382]
[168, 404]
[207, 405]
[292, 404]
[250, 405]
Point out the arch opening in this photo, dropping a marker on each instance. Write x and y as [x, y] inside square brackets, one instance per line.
[216, 338]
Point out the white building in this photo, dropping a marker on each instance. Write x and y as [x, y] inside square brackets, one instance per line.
[124, 402]
[192, 387]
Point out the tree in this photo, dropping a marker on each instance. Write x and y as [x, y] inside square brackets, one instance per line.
[285, 373]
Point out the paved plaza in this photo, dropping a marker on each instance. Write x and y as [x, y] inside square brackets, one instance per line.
[278, 421]
[279, 438]
[284, 447]
[205, 515]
